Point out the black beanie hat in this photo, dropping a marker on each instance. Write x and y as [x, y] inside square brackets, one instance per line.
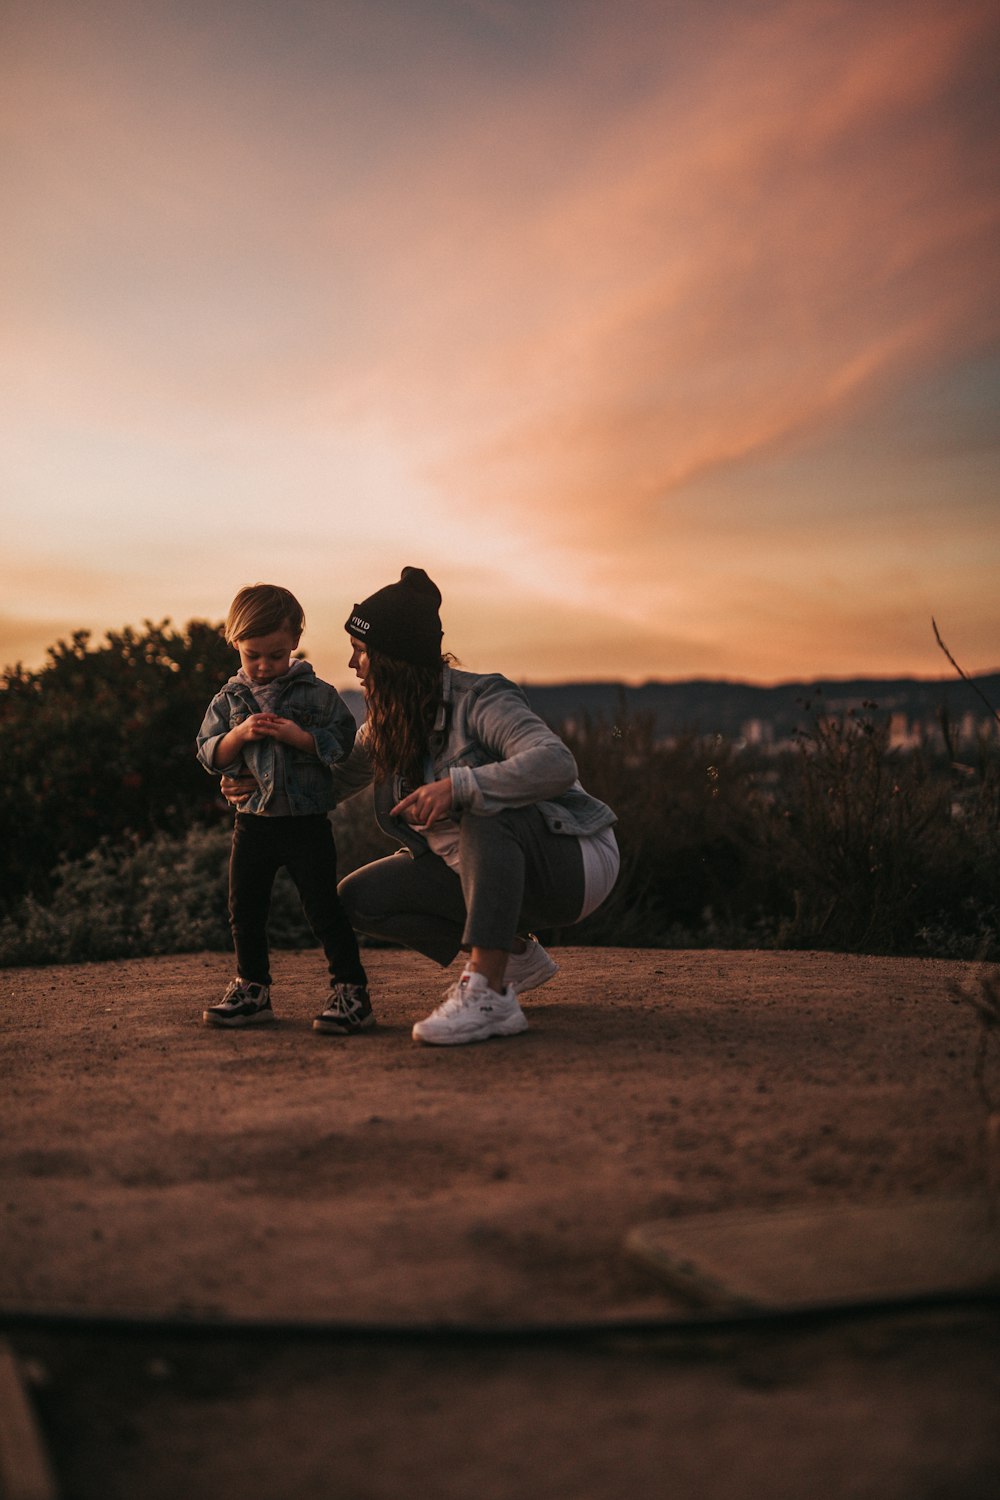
[402, 620]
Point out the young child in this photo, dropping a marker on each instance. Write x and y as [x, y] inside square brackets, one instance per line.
[276, 719]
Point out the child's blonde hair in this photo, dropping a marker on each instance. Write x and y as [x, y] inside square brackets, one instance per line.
[261, 609]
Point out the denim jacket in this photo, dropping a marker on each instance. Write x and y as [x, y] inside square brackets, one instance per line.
[497, 753]
[312, 704]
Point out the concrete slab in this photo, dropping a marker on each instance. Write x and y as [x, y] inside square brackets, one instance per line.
[793, 1259]
[25, 1472]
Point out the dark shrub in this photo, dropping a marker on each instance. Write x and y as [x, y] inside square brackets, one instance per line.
[99, 745]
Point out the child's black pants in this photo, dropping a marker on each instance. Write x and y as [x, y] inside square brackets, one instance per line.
[304, 846]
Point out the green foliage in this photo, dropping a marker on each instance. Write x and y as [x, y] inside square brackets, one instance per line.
[165, 894]
[99, 745]
[869, 840]
[839, 842]
[687, 824]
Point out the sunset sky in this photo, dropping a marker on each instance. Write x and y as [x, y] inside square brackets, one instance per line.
[663, 335]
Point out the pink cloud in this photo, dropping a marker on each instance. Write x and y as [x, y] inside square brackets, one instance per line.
[572, 296]
[721, 273]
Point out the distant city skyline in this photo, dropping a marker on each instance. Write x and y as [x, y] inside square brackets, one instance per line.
[663, 336]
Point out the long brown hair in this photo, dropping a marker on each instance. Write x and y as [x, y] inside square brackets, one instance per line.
[402, 705]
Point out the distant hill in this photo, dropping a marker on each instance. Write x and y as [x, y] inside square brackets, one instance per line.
[713, 707]
[726, 708]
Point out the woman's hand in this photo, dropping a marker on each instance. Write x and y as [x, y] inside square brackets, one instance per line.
[427, 805]
[236, 789]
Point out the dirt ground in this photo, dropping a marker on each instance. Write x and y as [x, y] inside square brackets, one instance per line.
[469, 1206]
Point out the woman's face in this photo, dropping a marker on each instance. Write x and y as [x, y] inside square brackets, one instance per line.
[359, 663]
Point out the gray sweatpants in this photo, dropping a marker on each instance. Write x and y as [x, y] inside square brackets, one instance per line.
[516, 875]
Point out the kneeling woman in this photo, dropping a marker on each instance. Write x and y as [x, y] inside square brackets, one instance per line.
[498, 835]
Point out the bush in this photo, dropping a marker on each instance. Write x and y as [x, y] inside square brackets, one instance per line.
[687, 817]
[840, 842]
[163, 895]
[879, 847]
[99, 747]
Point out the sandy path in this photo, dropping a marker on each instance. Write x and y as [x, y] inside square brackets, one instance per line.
[154, 1166]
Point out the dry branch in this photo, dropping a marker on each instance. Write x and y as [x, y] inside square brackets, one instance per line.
[964, 675]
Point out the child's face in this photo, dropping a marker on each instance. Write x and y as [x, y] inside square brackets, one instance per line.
[265, 657]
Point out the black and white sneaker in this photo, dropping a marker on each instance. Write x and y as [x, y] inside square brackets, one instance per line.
[242, 1005]
[347, 1011]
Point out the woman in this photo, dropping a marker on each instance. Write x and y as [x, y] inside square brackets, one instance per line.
[497, 835]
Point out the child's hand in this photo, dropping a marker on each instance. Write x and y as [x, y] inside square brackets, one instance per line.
[288, 732]
[260, 727]
[274, 727]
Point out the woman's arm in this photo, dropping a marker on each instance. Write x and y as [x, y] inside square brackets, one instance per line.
[532, 763]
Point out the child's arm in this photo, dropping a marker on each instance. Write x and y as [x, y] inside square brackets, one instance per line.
[329, 738]
[332, 728]
[285, 730]
[259, 727]
[215, 728]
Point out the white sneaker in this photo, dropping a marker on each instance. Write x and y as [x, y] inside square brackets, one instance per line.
[527, 970]
[471, 1012]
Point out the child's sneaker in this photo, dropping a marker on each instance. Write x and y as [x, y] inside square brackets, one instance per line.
[527, 970]
[471, 1012]
[242, 1005]
[348, 1010]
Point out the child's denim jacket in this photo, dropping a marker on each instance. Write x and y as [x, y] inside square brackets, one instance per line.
[312, 704]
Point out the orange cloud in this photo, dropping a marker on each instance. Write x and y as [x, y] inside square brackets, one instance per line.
[781, 287]
[549, 301]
